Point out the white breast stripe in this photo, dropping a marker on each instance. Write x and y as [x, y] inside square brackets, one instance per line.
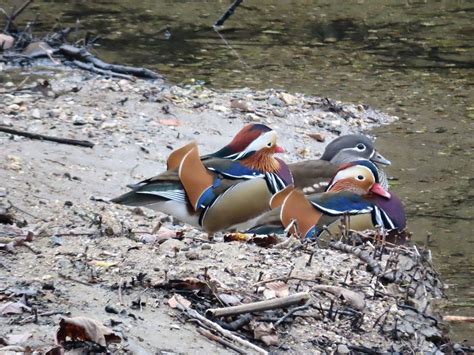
[236, 176]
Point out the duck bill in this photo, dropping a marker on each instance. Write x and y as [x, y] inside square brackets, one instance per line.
[379, 159]
[379, 190]
[279, 149]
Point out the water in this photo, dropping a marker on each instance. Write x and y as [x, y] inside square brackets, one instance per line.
[413, 59]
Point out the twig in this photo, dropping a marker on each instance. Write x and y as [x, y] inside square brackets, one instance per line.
[195, 315]
[13, 16]
[46, 138]
[275, 303]
[291, 312]
[86, 60]
[218, 339]
[286, 278]
[229, 12]
[361, 254]
[44, 314]
[69, 278]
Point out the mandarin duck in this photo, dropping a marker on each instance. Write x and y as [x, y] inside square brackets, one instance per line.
[216, 193]
[355, 190]
[312, 175]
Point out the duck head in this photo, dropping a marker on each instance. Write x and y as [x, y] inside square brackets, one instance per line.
[352, 147]
[360, 177]
[246, 141]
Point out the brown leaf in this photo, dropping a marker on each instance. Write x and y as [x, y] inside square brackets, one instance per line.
[266, 332]
[85, 329]
[13, 308]
[265, 241]
[276, 289]
[14, 339]
[178, 300]
[169, 122]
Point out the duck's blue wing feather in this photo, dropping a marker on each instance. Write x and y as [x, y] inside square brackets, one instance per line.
[339, 203]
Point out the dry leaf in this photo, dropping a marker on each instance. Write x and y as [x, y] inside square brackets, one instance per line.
[276, 289]
[169, 122]
[85, 329]
[13, 308]
[236, 237]
[6, 41]
[178, 300]
[266, 332]
[14, 339]
[265, 241]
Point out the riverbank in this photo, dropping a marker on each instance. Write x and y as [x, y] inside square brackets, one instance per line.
[84, 258]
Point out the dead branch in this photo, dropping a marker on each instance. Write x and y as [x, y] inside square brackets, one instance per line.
[46, 138]
[195, 315]
[15, 14]
[363, 255]
[259, 306]
[219, 340]
[292, 312]
[229, 12]
[84, 56]
[90, 67]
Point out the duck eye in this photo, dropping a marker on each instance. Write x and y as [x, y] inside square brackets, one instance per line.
[269, 144]
[360, 177]
[360, 146]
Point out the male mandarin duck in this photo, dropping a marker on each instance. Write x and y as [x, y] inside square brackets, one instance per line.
[216, 193]
[355, 190]
[311, 174]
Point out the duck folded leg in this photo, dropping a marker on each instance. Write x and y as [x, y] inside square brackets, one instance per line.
[197, 181]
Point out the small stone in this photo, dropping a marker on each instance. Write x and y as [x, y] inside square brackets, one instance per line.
[288, 98]
[320, 137]
[171, 245]
[343, 349]
[192, 255]
[275, 101]
[13, 108]
[36, 114]
[206, 246]
[6, 41]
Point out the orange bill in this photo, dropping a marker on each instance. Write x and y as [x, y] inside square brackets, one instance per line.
[177, 156]
[194, 176]
[297, 207]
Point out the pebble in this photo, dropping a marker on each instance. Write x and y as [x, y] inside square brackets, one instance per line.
[343, 349]
[192, 255]
[171, 245]
[36, 114]
[13, 108]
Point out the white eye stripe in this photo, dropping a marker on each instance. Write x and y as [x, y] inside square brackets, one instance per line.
[259, 143]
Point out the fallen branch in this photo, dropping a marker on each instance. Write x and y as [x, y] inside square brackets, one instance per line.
[90, 67]
[458, 319]
[42, 137]
[292, 312]
[84, 56]
[219, 340]
[195, 315]
[266, 305]
[229, 12]
[363, 255]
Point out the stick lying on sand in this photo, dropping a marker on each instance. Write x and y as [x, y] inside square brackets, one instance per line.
[42, 137]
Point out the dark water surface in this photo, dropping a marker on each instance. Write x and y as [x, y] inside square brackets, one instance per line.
[412, 59]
